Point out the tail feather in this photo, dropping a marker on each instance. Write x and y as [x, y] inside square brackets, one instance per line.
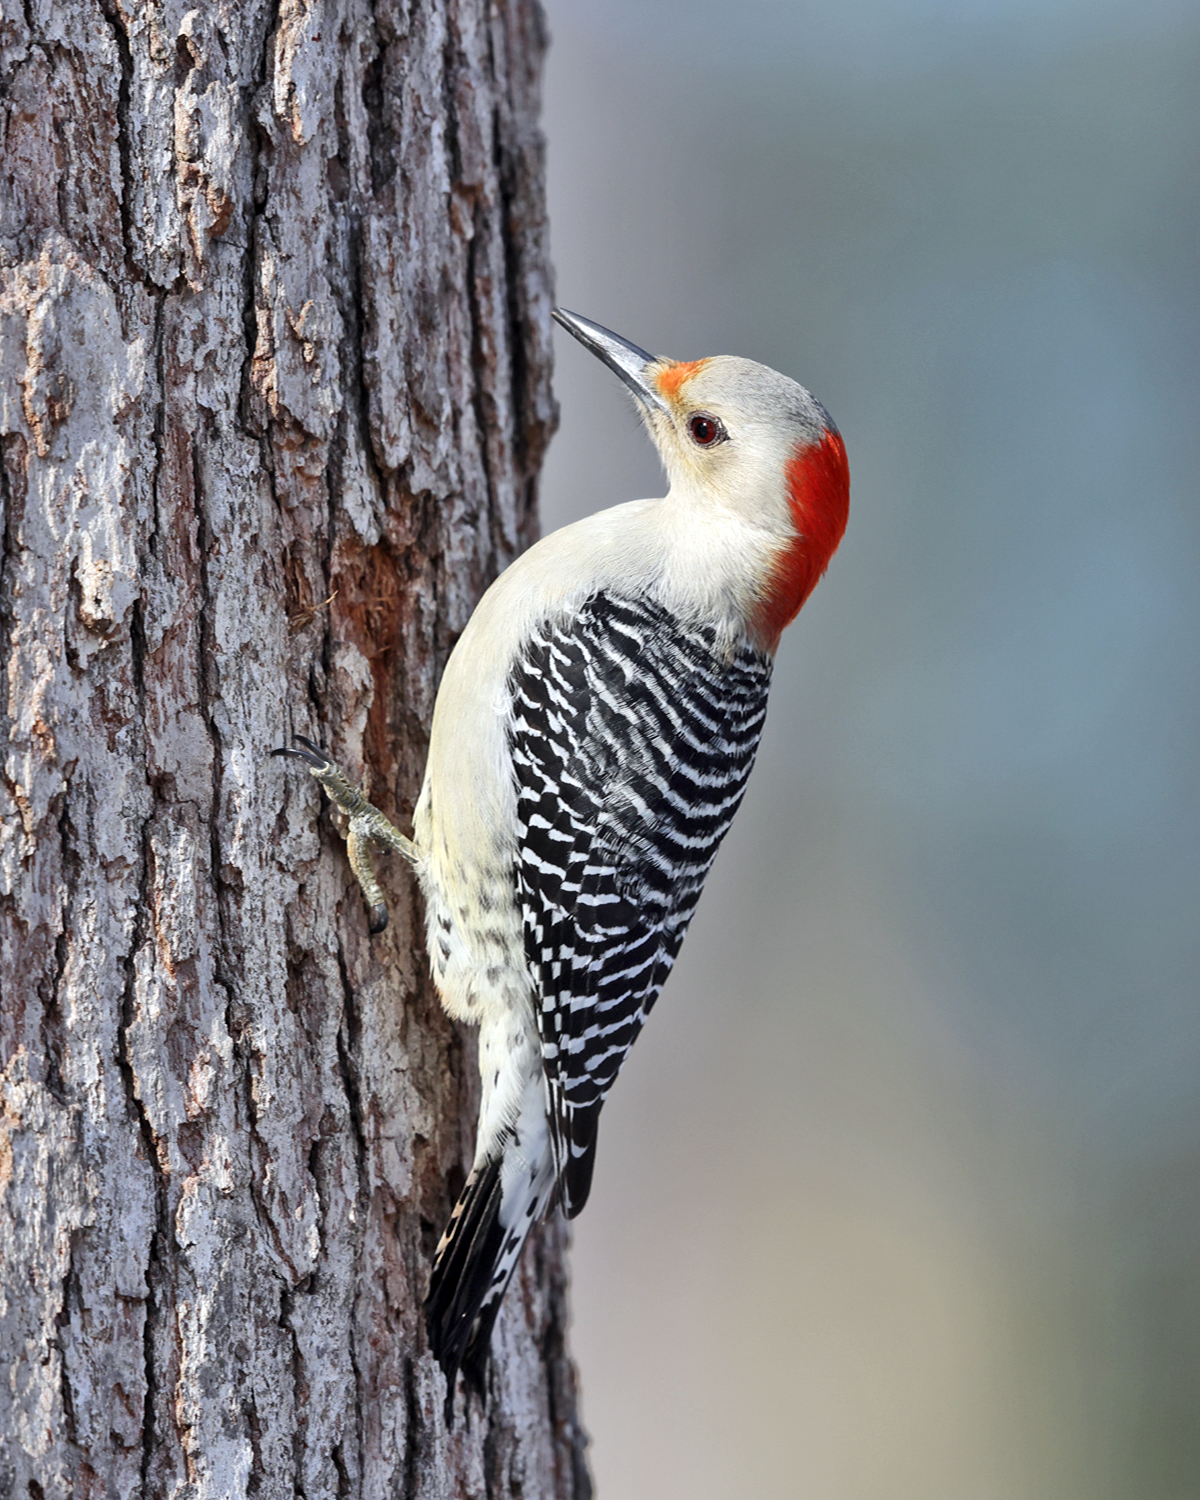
[578, 1148]
[475, 1261]
[463, 1273]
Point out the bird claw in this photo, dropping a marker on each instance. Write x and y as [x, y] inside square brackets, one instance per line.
[367, 825]
[312, 755]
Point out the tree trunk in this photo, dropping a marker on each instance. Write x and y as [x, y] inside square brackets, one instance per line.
[274, 390]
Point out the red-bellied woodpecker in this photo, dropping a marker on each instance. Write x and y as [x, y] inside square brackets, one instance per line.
[592, 737]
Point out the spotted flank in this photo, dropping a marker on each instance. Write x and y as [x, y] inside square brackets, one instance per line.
[632, 739]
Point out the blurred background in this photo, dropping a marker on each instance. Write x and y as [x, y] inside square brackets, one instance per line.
[899, 1194]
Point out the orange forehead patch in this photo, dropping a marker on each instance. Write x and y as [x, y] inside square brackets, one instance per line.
[670, 379]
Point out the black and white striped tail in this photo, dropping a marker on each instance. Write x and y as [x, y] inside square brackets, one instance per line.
[475, 1262]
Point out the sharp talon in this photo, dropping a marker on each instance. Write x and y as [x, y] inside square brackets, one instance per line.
[366, 825]
[312, 755]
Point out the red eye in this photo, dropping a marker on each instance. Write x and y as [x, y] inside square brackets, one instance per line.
[705, 430]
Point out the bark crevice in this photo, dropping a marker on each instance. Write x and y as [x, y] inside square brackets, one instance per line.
[150, 1150]
[111, 11]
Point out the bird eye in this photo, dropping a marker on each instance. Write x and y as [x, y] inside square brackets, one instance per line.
[706, 430]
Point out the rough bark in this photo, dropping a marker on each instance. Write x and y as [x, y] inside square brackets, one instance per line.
[274, 389]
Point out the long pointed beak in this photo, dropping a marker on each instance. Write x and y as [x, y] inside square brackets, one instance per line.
[622, 357]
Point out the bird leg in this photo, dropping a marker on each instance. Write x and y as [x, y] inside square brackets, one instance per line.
[367, 826]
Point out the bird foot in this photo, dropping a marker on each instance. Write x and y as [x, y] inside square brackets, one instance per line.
[367, 825]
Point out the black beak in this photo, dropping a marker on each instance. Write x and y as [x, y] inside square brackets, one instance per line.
[623, 358]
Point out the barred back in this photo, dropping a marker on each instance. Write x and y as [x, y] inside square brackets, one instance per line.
[632, 741]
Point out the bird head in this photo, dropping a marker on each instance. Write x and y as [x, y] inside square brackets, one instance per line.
[737, 435]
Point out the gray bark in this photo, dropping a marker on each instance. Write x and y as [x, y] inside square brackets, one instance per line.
[274, 390]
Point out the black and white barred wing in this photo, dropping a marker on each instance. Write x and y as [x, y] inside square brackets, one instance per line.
[631, 742]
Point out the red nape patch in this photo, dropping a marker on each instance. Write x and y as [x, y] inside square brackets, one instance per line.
[818, 485]
[670, 379]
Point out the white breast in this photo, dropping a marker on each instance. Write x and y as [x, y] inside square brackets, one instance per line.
[697, 559]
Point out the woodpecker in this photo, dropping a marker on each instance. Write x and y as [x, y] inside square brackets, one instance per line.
[592, 737]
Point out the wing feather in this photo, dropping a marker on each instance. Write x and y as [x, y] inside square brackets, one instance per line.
[632, 738]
